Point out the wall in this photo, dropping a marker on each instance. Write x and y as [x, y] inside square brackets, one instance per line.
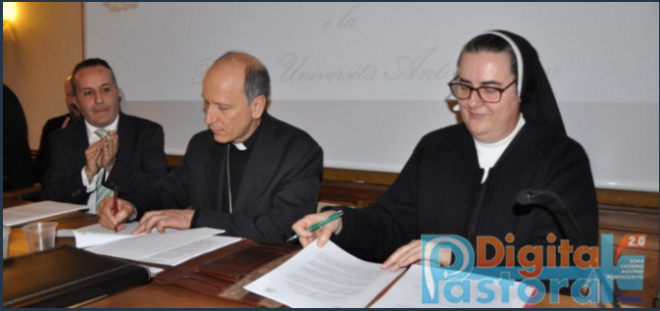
[48, 41]
[368, 80]
[38, 52]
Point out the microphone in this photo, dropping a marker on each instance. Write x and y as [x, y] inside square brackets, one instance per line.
[529, 196]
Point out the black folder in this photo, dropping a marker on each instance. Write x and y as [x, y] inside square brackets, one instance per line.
[65, 276]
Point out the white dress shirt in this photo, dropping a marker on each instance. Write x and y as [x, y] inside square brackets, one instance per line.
[91, 184]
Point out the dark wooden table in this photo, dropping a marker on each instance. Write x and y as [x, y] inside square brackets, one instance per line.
[152, 295]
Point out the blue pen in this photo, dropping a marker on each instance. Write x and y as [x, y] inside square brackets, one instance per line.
[320, 224]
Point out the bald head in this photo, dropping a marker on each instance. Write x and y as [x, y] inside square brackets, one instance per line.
[235, 91]
[239, 57]
[255, 75]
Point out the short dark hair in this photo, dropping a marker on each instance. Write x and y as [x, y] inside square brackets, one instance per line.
[90, 62]
[257, 80]
[491, 43]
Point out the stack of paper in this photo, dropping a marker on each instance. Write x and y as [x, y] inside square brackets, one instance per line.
[26, 213]
[97, 235]
[484, 293]
[329, 277]
[170, 248]
[325, 277]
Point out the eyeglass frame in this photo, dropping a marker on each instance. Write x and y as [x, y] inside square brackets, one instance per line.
[501, 90]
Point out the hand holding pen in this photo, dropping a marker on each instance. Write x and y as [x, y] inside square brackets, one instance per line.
[317, 226]
[113, 211]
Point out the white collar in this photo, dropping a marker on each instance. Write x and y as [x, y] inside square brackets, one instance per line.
[488, 154]
[505, 140]
[240, 146]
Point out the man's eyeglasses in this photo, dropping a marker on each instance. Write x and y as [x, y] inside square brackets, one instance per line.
[489, 94]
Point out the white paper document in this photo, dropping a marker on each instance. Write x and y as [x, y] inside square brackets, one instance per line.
[324, 277]
[407, 293]
[26, 213]
[167, 249]
[177, 255]
[96, 234]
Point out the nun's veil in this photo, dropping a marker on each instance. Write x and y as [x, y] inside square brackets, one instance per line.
[538, 102]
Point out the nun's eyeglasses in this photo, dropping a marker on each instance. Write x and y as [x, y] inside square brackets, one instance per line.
[489, 94]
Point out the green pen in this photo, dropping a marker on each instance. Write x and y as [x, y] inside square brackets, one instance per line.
[317, 225]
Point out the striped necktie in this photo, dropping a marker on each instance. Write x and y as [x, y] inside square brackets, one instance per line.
[101, 191]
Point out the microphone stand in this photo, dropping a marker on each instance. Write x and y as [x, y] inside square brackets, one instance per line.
[528, 197]
[533, 194]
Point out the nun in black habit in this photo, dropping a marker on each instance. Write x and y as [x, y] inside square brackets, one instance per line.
[464, 179]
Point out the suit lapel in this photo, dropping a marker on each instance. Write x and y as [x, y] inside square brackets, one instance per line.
[79, 141]
[125, 130]
[216, 175]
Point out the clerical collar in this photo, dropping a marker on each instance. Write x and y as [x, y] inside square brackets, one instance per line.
[248, 143]
[240, 146]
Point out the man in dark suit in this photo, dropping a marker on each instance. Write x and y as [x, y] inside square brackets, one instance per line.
[16, 162]
[87, 159]
[55, 124]
[249, 173]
